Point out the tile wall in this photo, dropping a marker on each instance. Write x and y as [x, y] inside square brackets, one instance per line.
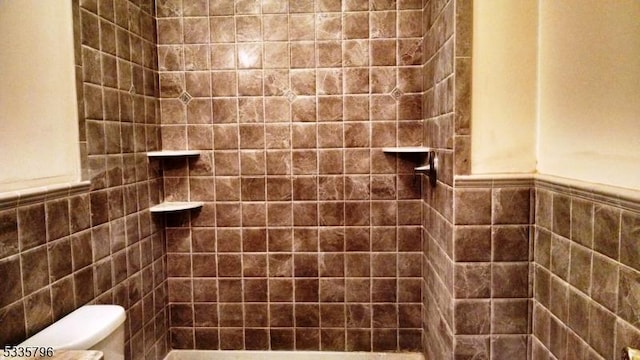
[310, 236]
[439, 114]
[96, 243]
[586, 274]
[491, 277]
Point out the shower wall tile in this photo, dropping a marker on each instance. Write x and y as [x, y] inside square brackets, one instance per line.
[97, 243]
[314, 234]
[583, 279]
[492, 249]
[443, 281]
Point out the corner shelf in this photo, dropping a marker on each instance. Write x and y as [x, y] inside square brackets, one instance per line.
[429, 167]
[408, 150]
[173, 153]
[172, 206]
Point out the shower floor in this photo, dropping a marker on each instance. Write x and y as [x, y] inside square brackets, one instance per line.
[287, 355]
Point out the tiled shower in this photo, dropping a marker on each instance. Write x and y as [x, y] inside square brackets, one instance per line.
[310, 236]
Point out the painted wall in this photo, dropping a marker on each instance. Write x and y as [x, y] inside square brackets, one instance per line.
[504, 86]
[589, 125]
[579, 118]
[38, 114]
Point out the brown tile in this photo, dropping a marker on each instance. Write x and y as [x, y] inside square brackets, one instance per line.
[302, 6]
[329, 26]
[255, 290]
[472, 243]
[511, 206]
[383, 213]
[358, 316]
[332, 340]
[12, 287]
[307, 315]
[331, 239]
[473, 317]
[579, 314]
[472, 281]
[358, 340]
[229, 265]
[384, 340]
[181, 338]
[356, 25]
[231, 339]
[206, 339]
[281, 315]
[59, 259]
[301, 27]
[604, 282]
[256, 339]
[510, 280]
[580, 268]
[230, 315]
[606, 231]
[508, 347]
[562, 215]
[305, 240]
[356, 81]
[510, 243]
[383, 52]
[625, 334]
[358, 290]
[409, 315]
[602, 324]
[306, 265]
[382, 24]
[282, 339]
[307, 339]
[13, 318]
[280, 290]
[303, 54]
[250, 83]
[473, 207]
[630, 230]
[510, 316]
[276, 28]
[558, 298]
[223, 83]
[332, 315]
[8, 233]
[31, 226]
[306, 290]
[559, 255]
[627, 291]
[38, 311]
[469, 347]
[280, 265]
[330, 135]
[384, 290]
[304, 109]
[332, 290]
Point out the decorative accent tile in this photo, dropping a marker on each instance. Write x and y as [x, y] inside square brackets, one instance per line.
[185, 97]
[396, 94]
[290, 95]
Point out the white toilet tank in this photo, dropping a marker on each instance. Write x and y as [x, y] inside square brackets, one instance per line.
[91, 327]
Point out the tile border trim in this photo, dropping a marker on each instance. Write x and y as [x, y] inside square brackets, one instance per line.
[13, 199]
[624, 198]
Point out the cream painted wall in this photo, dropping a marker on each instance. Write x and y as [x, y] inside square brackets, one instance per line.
[38, 113]
[504, 86]
[589, 127]
[580, 117]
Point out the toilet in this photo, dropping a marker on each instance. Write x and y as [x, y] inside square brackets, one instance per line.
[90, 327]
